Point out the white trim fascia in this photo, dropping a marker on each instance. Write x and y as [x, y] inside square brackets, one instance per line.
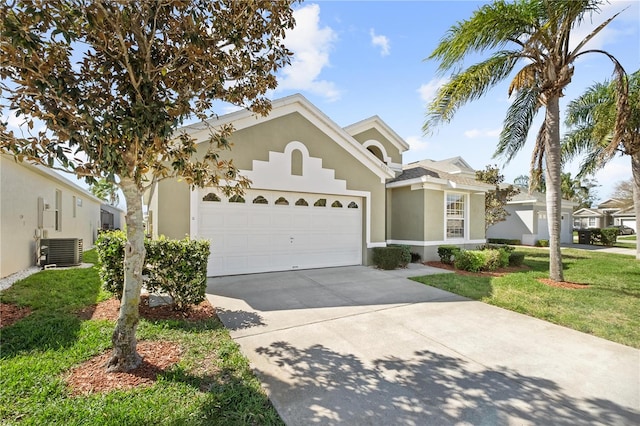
[377, 123]
[463, 187]
[374, 245]
[292, 104]
[435, 243]
[396, 167]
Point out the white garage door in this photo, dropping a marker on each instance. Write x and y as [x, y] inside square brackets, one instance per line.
[277, 231]
[629, 222]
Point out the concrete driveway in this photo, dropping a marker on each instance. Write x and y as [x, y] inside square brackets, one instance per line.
[356, 345]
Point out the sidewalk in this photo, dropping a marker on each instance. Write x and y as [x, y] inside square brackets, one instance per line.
[615, 250]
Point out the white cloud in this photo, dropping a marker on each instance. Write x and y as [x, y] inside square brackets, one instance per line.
[428, 90]
[380, 41]
[417, 144]
[478, 133]
[628, 13]
[311, 46]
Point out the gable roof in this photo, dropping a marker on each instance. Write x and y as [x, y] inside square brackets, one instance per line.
[453, 165]
[586, 212]
[296, 104]
[537, 198]
[377, 123]
[416, 174]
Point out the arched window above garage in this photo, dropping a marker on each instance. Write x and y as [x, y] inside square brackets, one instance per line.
[281, 202]
[260, 200]
[336, 204]
[211, 197]
[352, 205]
[236, 199]
[302, 202]
[322, 202]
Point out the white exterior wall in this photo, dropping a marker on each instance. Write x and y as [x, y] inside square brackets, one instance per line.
[20, 187]
[529, 224]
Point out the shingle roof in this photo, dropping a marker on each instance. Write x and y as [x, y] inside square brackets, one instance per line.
[416, 172]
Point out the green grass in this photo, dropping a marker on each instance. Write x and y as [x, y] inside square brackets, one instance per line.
[608, 308]
[212, 384]
[626, 241]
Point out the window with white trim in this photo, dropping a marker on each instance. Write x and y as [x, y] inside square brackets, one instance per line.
[58, 210]
[455, 215]
[592, 222]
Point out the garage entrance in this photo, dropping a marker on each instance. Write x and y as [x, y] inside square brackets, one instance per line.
[266, 231]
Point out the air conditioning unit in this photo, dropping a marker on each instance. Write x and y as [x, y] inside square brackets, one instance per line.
[60, 251]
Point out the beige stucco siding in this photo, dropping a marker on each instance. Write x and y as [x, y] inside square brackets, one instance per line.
[373, 134]
[434, 215]
[20, 187]
[476, 217]
[407, 214]
[255, 143]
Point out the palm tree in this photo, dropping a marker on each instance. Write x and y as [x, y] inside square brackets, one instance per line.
[591, 119]
[535, 33]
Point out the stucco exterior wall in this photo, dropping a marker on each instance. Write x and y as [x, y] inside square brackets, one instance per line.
[476, 217]
[254, 143]
[20, 187]
[407, 214]
[373, 134]
[433, 215]
[528, 224]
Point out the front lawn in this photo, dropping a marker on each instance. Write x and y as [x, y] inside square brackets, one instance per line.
[626, 241]
[609, 307]
[211, 384]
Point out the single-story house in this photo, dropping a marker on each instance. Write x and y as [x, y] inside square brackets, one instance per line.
[608, 213]
[37, 203]
[321, 195]
[527, 220]
[111, 217]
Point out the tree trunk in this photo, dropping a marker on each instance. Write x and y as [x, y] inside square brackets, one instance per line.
[553, 186]
[635, 172]
[125, 356]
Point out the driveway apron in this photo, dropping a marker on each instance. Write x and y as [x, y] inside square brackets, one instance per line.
[360, 346]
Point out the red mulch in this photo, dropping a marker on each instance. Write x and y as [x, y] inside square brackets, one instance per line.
[91, 376]
[10, 314]
[504, 271]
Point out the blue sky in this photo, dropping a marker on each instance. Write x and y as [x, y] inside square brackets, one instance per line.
[355, 59]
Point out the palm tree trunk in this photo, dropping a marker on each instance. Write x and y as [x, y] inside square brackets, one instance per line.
[125, 356]
[553, 186]
[635, 171]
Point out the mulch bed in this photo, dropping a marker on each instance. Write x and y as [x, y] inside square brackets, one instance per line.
[10, 314]
[504, 271]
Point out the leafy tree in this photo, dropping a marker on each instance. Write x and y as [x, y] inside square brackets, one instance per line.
[524, 182]
[578, 190]
[106, 191]
[535, 34]
[592, 122]
[495, 200]
[112, 80]
[624, 192]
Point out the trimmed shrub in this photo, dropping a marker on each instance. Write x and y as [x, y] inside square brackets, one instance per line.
[110, 249]
[490, 246]
[406, 254]
[503, 241]
[447, 253]
[542, 243]
[606, 236]
[416, 258]
[178, 268]
[175, 267]
[516, 258]
[470, 260]
[387, 257]
[495, 259]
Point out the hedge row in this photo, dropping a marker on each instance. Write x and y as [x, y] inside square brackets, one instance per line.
[488, 257]
[393, 256]
[175, 267]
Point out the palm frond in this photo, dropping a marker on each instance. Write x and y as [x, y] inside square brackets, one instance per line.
[517, 123]
[526, 77]
[469, 85]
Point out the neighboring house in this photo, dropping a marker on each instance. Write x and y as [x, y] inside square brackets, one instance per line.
[36, 202]
[318, 196]
[432, 203]
[111, 217]
[527, 220]
[608, 213]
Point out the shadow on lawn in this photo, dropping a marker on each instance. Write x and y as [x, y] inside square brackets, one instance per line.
[332, 387]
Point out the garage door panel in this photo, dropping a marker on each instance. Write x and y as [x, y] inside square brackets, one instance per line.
[249, 238]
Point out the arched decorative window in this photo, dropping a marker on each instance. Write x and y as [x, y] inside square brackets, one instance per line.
[302, 202]
[260, 200]
[352, 205]
[211, 197]
[281, 202]
[376, 151]
[322, 202]
[296, 162]
[236, 199]
[336, 204]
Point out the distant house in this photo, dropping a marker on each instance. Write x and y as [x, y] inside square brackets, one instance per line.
[111, 217]
[35, 203]
[527, 220]
[608, 213]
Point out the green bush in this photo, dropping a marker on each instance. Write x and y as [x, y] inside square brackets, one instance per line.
[175, 267]
[470, 260]
[503, 241]
[495, 259]
[492, 246]
[179, 269]
[606, 236]
[516, 258]
[110, 248]
[447, 253]
[542, 243]
[387, 257]
[406, 254]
